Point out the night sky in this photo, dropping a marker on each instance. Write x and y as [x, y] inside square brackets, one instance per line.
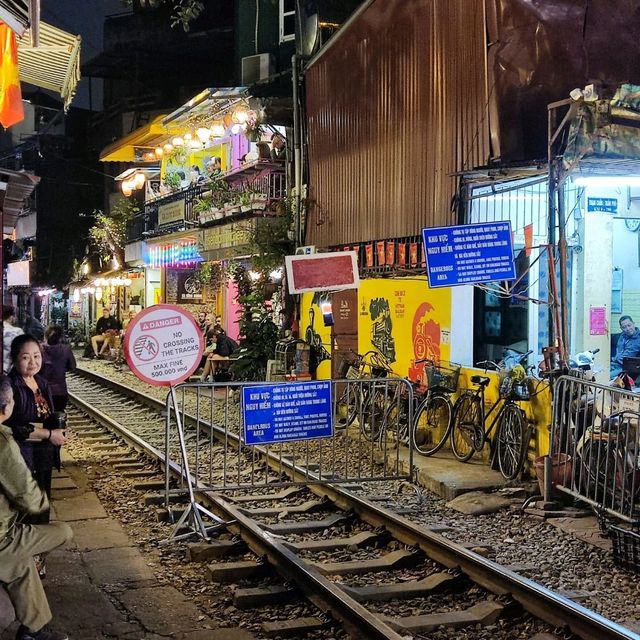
[83, 17]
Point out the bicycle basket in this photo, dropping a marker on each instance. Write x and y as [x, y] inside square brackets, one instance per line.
[348, 361]
[443, 376]
[512, 387]
[506, 384]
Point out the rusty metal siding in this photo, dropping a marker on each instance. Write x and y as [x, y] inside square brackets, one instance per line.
[394, 108]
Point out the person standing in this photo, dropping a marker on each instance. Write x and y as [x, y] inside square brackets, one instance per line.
[32, 421]
[58, 360]
[19, 543]
[33, 327]
[9, 332]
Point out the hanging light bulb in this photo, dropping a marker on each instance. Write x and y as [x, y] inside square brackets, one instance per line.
[177, 141]
[127, 188]
[203, 134]
[195, 144]
[240, 115]
[217, 129]
[139, 179]
[168, 148]
[188, 136]
[98, 293]
[127, 282]
[159, 151]
[237, 128]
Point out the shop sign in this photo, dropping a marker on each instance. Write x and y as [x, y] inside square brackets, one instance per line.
[163, 345]
[287, 412]
[469, 254]
[171, 212]
[602, 205]
[189, 287]
[223, 240]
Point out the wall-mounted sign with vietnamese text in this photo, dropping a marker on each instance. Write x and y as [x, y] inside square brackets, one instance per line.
[469, 254]
[602, 205]
[171, 212]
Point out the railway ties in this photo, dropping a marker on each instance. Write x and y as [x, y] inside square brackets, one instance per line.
[362, 568]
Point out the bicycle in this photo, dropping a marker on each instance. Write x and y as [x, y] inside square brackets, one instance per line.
[367, 402]
[468, 433]
[434, 410]
[608, 467]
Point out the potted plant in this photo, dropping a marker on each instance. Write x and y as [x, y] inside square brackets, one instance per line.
[259, 200]
[203, 207]
[245, 201]
[172, 180]
[232, 204]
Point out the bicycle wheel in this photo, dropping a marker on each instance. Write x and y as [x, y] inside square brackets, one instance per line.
[396, 421]
[432, 424]
[346, 409]
[512, 441]
[373, 412]
[467, 424]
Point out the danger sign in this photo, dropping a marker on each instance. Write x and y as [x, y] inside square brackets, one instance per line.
[163, 345]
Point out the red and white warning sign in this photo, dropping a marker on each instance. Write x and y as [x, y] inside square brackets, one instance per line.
[163, 345]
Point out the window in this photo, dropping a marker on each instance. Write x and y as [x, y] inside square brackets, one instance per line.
[287, 20]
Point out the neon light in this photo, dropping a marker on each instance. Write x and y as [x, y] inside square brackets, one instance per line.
[178, 254]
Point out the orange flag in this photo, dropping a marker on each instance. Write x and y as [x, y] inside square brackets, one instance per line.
[11, 110]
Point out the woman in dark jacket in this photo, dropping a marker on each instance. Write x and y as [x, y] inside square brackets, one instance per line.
[32, 422]
[58, 359]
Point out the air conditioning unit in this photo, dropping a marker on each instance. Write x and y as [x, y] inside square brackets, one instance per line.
[307, 250]
[256, 68]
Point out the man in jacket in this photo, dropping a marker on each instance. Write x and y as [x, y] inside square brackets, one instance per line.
[19, 495]
[628, 345]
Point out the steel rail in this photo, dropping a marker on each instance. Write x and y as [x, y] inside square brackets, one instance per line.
[541, 602]
[357, 619]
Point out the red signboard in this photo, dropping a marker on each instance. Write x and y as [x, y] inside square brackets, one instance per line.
[322, 272]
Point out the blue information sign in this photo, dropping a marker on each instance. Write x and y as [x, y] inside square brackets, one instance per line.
[603, 205]
[285, 412]
[469, 254]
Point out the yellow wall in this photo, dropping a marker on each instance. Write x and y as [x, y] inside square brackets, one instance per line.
[420, 321]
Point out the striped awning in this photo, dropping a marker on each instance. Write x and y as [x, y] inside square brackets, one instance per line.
[54, 64]
[15, 14]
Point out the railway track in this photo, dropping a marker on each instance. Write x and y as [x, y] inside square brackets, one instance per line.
[371, 574]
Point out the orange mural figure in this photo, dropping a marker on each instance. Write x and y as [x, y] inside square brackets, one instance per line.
[426, 335]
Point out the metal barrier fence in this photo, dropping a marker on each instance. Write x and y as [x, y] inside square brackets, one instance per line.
[595, 446]
[371, 418]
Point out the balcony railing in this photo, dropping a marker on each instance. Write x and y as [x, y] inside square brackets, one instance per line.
[267, 178]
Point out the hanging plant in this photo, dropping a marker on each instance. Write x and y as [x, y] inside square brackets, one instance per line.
[211, 274]
[178, 156]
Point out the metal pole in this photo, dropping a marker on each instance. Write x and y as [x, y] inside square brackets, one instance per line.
[297, 149]
[192, 513]
[564, 287]
[551, 214]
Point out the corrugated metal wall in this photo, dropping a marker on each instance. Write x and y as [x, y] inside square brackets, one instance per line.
[394, 107]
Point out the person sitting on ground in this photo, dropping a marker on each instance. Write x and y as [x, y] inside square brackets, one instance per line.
[9, 332]
[223, 348]
[20, 495]
[58, 359]
[106, 329]
[628, 345]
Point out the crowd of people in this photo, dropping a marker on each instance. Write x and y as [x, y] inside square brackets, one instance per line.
[33, 396]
